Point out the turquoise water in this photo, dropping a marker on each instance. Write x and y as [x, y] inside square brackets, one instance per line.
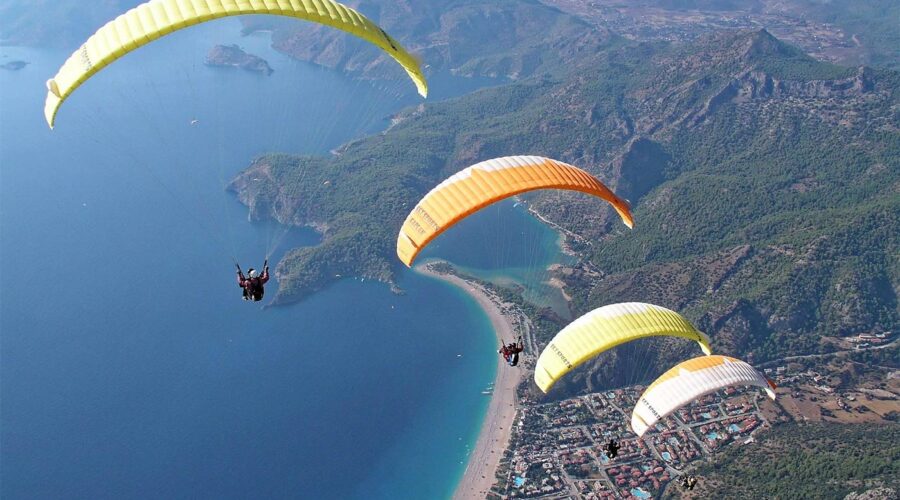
[706, 415]
[734, 428]
[130, 366]
[712, 436]
[666, 456]
[516, 250]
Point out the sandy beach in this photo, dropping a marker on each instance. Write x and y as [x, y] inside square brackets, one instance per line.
[495, 431]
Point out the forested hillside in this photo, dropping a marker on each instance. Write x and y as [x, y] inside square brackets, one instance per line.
[792, 460]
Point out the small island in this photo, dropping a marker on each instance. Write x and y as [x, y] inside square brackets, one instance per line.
[14, 65]
[235, 57]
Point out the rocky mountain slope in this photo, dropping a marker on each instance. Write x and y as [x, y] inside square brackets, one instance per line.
[504, 38]
[849, 32]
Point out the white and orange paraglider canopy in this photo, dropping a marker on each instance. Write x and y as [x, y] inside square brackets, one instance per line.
[488, 182]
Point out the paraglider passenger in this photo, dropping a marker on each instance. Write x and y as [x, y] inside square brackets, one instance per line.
[612, 449]
[252, 285]
[511, 352]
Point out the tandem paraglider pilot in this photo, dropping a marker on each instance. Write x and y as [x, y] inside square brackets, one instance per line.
[510, 352]
[253, 284]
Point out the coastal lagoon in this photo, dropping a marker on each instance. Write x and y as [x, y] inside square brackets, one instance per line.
[504, 244]
[130, 366]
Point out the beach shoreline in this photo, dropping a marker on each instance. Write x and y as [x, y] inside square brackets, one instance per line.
[493, 438]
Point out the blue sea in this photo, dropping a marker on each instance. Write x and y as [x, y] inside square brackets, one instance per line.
[129, 366]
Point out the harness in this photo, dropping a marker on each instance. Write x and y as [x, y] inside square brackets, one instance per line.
[254, 290]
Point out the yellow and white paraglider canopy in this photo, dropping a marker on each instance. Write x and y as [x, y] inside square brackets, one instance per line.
[690, 380]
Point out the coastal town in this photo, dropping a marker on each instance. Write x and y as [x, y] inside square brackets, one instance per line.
[558, 449]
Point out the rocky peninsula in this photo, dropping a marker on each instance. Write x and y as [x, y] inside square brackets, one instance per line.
[14, 65]
[235, 57]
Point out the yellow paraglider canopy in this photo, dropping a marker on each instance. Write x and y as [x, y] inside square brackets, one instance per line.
[156, 18]
[604, 328]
